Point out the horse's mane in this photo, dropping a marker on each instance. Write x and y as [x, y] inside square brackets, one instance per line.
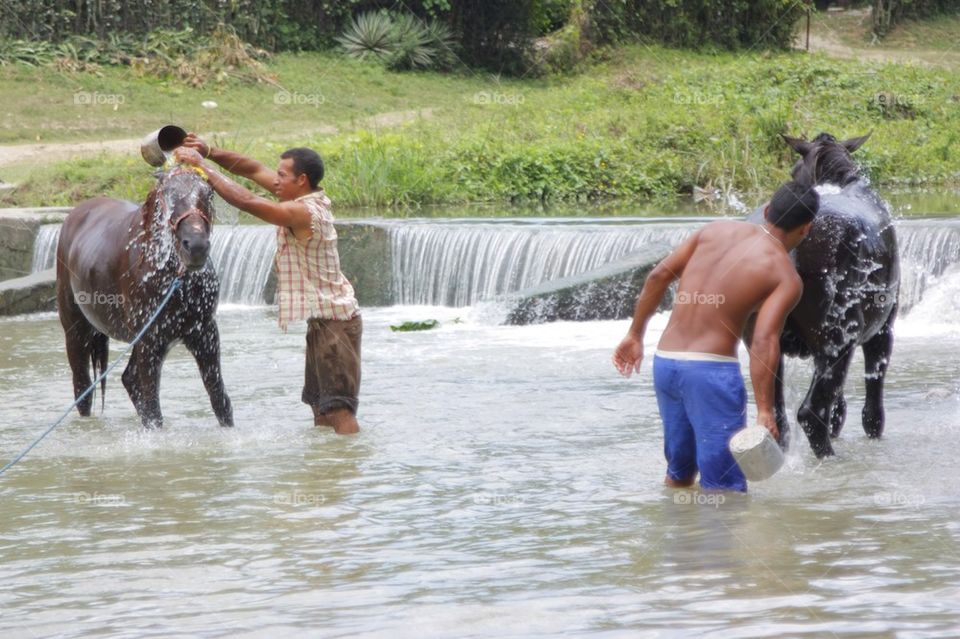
[827, 162]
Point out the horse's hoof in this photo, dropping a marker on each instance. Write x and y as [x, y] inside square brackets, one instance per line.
[823, 452]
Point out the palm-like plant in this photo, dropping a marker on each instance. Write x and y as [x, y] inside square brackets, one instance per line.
[412, 46]
[400, 40]
[369, 34]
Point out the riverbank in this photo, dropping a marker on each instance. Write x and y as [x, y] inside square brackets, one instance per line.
[644, 123]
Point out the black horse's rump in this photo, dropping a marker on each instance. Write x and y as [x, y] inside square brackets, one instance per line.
[850, 269]
[115, 261]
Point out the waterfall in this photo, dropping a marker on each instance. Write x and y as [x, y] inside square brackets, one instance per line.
[242, 256]
[457, 263]
[45, 248]
[927, 250]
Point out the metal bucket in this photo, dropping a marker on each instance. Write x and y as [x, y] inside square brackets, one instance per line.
[156, 147]
[757, 453]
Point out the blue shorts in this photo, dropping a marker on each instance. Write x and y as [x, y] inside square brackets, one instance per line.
[702, 404]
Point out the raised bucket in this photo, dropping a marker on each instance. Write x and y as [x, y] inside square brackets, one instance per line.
[757, 452]
[156, 147]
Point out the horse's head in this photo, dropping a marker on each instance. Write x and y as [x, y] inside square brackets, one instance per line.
[824, 160]
[182, 202]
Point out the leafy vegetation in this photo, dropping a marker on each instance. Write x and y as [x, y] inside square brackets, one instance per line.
[183, 55]
[400, 40]
[645, 123]
[407, 327]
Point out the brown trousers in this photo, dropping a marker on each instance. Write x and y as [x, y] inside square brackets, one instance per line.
[332, 377]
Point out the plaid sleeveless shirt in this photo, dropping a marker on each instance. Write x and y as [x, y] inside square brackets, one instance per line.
[309, 280]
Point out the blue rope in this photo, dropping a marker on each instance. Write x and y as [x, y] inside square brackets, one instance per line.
[173, 287]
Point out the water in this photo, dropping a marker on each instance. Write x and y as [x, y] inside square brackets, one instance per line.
[462, 262]
[507, 482]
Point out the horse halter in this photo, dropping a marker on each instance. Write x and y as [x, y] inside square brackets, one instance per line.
[174, 223]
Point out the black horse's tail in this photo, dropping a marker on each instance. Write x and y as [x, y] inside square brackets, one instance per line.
[99, 351]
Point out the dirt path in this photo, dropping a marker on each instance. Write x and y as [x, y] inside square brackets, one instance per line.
[821, 43]
[826, 40]
[55, 152]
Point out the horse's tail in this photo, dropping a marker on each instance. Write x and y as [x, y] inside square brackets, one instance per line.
[99, 351]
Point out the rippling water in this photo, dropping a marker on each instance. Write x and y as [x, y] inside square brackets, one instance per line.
[507, 482]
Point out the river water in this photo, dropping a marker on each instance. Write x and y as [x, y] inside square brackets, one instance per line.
[506, 482]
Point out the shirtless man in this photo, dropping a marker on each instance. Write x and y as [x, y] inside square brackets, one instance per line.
[731, 273]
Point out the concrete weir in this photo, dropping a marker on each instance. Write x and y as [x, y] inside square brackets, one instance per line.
[364, 249]
[609, 292]
[34, 293]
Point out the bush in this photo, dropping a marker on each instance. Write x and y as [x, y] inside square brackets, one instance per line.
[399, 40]
[699, 24]
[182, 55]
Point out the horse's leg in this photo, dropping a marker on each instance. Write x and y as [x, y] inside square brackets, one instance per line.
[818, 407]
[204, 345]
[838, 416]
[82, 342]
[142, 380]
[780, 411]
[79, 346]
[876, 356]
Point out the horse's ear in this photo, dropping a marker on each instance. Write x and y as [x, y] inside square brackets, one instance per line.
[800, 146]
[853, 144]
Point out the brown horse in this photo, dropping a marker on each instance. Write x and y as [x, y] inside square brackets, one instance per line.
[850, 268]
[115, 262]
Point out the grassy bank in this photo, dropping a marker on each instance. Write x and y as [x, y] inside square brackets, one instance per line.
[644, 123]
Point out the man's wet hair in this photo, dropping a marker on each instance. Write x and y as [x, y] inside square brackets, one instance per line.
[793, 205]
[305, 162]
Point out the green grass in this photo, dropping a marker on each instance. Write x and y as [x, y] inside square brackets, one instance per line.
[646, 123]
[938, 33]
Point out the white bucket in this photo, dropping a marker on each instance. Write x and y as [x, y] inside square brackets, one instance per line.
[757, 452]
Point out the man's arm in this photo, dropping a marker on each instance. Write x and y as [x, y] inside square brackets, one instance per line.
[290, 214]
[234, 162]
[629, 353]
[764, 347]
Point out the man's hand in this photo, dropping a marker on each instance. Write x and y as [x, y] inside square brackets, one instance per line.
[628, 355]
[187, 156]
[193, 142]
[768, 421]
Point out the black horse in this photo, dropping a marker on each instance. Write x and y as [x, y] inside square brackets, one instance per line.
[115, 262]
[851, 279]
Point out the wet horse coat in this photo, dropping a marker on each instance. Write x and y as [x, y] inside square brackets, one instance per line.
[850, 269]
[115, 262]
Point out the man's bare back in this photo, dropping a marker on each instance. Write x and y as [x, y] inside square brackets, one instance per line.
[733, 268]
[731, 273]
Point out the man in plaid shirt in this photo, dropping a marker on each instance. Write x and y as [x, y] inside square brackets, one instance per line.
[310, 284]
